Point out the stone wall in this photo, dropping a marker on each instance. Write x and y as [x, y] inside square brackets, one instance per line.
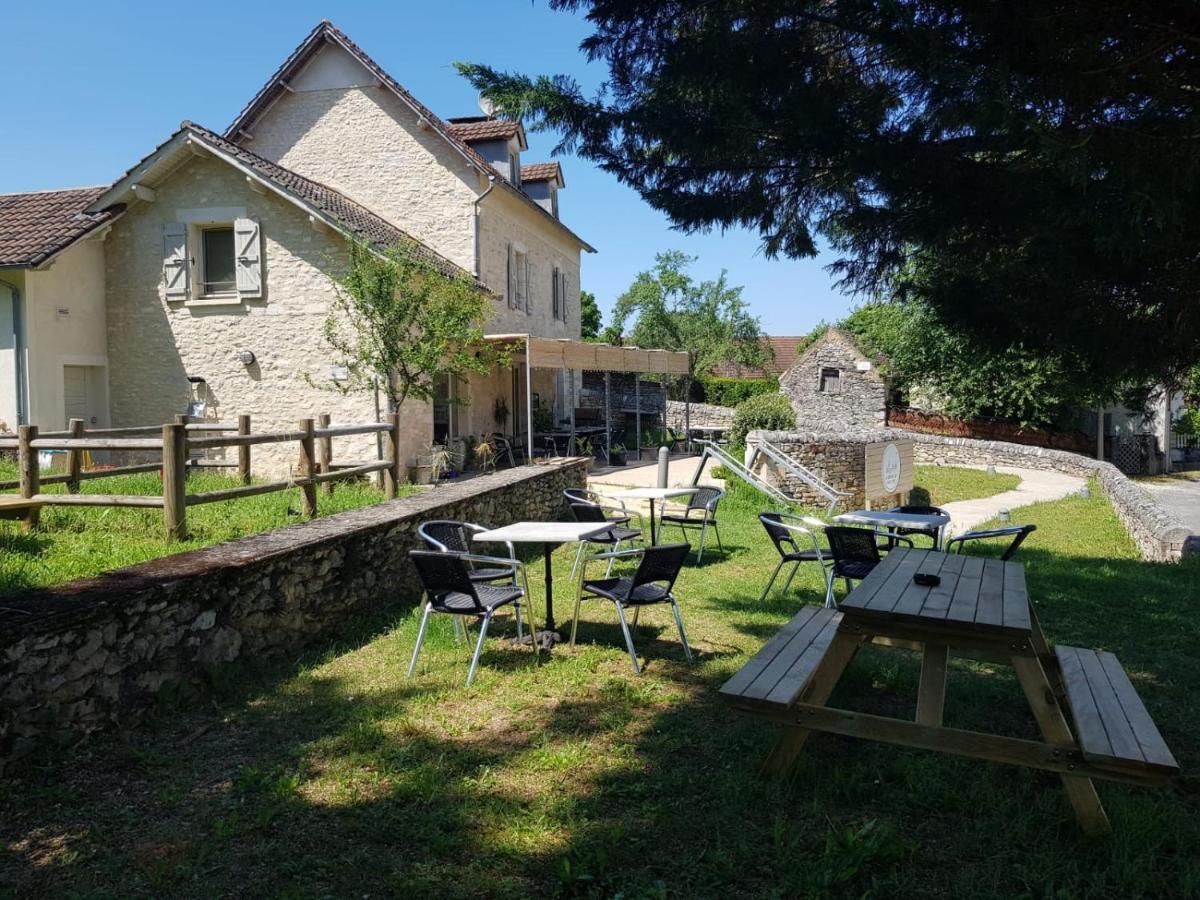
[1158, 535]
[701, 414]
[833, 457]
[856, 399]
[80, 657]
[838, 458]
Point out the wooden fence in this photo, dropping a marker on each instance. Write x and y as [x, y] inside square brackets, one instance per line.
[176, 443]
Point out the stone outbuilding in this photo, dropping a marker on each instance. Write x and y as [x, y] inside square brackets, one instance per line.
[834, 385]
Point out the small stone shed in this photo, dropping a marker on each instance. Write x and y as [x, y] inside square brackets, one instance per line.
[835, 385]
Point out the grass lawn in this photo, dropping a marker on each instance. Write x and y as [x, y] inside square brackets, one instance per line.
[334, 776]
[939, 485]
[75, 542]
[1171, 477]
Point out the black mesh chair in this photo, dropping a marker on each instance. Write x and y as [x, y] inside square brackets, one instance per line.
[1018, 533]
[611, 539]
[855, 553]
[450, 589]
[699, 512]
[504, 449]
[934, 534]
[787, 532]
[653, 582]
[449, 536]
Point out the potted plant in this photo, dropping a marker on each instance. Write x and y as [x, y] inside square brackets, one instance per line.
[616, 455]
[485, 455]
[430, 466]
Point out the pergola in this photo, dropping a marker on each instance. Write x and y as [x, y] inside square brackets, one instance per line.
[572, 355]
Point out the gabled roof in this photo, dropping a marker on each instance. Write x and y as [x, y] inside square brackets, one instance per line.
[785, 349]
[36, 225]
[327, 32]
[543, 171]
[324, 203]
[486, 128]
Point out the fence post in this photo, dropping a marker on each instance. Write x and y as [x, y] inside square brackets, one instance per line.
[174, 473]
[308, 490]
[325, 452]
[74, 457]
[30, 474]
[183, 419]
[391, 450]
[243, 468]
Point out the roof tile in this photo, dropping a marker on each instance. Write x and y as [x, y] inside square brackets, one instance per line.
[35, 226]
[482, 128]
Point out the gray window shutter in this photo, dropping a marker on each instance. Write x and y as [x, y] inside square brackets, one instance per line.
[247, 243]
[562, 293]
[528, 287]
[176, 268]
[512, 278]
[554, 298]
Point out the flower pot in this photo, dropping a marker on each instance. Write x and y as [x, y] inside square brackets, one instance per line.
[421, 474]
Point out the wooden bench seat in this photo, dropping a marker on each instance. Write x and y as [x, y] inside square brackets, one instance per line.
[778, 674]
[1111, 723]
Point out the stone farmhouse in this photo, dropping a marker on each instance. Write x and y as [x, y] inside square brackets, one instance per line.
[200, 279]
[833, 385]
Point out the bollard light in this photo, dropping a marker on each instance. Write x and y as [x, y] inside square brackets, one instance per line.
[1085, 493]
[1004, 516]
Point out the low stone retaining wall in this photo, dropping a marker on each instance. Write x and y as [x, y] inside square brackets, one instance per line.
[837, 458]
[1156, 532]
[78, 657]
[700, 414]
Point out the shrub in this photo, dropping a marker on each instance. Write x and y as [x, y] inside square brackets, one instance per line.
[733, 391]
[769, 412]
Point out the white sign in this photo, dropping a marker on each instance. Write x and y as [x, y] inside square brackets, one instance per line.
[890, 468]
[339, 373]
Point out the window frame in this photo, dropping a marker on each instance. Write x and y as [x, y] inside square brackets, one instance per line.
[201, 262]
[824, 378]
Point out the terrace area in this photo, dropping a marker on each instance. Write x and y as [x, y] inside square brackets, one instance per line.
[332, 774]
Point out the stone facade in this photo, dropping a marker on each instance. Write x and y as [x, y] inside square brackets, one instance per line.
[156, 343]
[834, 385]
[365, 142]
[80, 657]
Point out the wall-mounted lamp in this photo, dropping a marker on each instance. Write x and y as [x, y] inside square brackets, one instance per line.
[246, 357]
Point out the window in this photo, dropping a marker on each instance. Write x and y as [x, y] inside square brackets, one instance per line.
[831, 381]
[514, 168]
[448, 400]
[218, 261]
[519, 279]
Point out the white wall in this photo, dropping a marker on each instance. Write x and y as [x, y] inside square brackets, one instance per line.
[65, 326]
[8, 360]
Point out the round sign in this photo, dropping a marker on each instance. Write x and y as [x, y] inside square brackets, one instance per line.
[890, 468]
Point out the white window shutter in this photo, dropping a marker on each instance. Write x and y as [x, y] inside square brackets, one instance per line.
[528, 287]
[247, 244]
[512, 279]
[176, 267]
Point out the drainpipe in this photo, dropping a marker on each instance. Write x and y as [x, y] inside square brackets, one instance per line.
[22, 373]
[478, 253]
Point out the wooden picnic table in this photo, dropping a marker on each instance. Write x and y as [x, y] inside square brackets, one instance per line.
[980, 609]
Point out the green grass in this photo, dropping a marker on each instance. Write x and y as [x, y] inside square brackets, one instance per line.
[77, 542]
[1171, 477]
[334, 776]
[939, 485]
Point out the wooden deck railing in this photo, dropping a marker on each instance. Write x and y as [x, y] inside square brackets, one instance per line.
[177, 448]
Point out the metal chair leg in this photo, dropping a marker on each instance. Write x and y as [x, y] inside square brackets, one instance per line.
[578, 557]
[771, 582]
[420, 639]
[700, 551]
[520, 634]
[483, 628]
[608, 570]
[575, 618]
[717, 532]
[679, 622]
[637, 669]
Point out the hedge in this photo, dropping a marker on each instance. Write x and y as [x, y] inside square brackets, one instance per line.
[733, 391]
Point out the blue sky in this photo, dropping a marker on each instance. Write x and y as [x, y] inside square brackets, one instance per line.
[89, 88]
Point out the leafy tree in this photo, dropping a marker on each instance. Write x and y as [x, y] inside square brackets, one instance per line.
[670, 311]
[589, 315]
[1030, 169]
[398, 323]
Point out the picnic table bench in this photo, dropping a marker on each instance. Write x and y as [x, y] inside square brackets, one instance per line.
[980, 609]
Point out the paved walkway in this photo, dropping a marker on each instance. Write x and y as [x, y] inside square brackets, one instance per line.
[681, 470]
[1181, 498]
[1036, 485]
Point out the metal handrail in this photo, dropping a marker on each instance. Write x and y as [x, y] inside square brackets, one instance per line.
[818, 484]
[712, 450]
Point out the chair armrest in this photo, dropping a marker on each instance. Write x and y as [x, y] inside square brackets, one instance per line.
[491, 560]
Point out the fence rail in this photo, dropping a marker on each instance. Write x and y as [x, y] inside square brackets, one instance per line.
[176, 447]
